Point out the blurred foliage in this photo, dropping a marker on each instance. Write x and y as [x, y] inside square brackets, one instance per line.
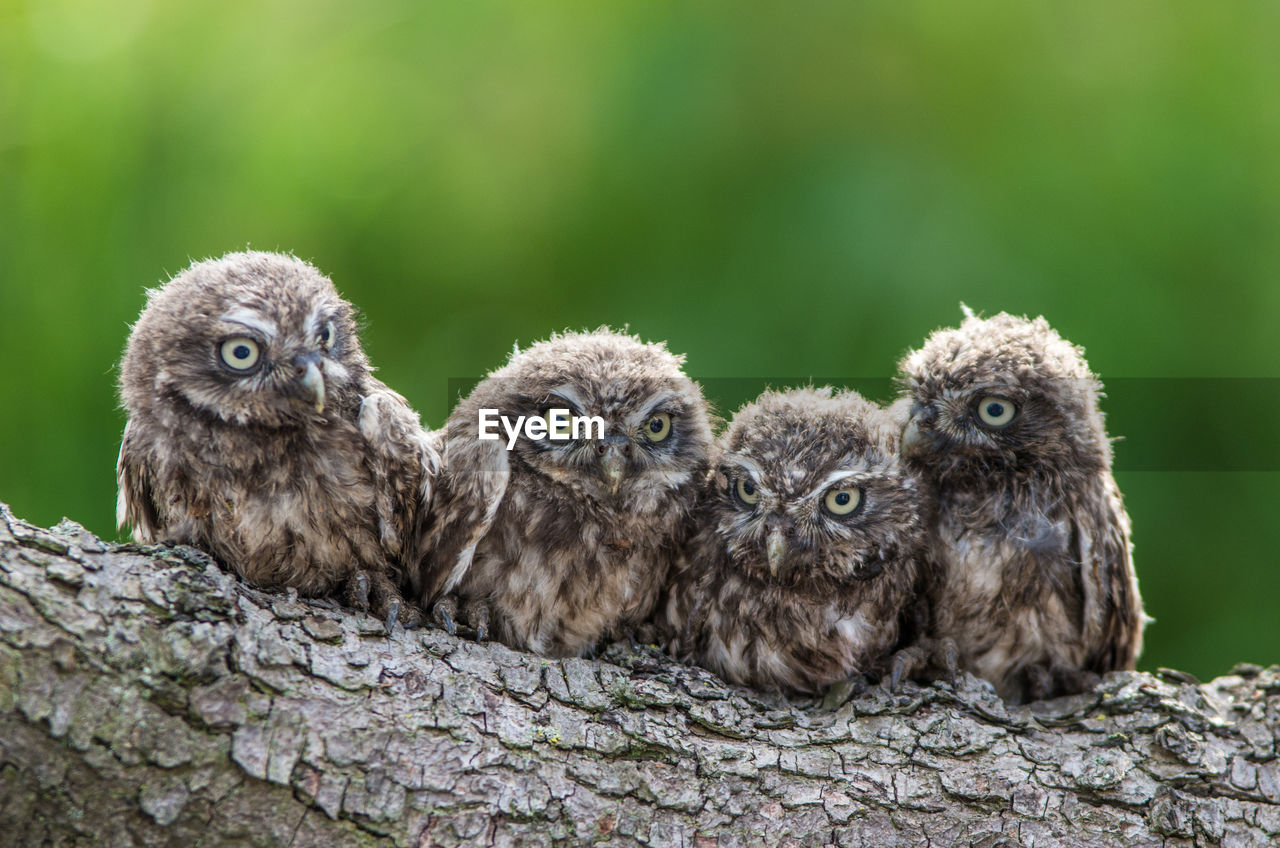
[779, 191]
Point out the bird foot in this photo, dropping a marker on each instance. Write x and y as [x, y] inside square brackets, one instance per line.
[477, 613]
[842, 692]
[906, 664]
[373, 592]
[445, 613]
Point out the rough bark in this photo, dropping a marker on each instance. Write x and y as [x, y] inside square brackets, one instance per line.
[149, 698]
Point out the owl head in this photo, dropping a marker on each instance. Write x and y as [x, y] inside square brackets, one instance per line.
[808, 490]
[253, 338]
[652, 433]
[1000, 395]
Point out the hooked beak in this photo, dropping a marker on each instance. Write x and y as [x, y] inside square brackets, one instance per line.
[310, 381]
[613, 465]
[776, 548]
[914, 439]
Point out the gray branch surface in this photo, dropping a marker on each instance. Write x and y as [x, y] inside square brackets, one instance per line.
[149, 698]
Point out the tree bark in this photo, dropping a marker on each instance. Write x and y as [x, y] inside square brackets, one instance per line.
[149, 698]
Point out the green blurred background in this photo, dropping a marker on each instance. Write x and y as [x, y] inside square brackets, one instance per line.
[779, 191]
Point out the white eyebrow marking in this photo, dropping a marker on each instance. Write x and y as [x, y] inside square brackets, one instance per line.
[252, 320]
[567, 392]
[313, 320]
[646, 408]
[831, 479]
[753, 470]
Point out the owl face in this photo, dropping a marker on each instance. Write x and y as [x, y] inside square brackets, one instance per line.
[656, 430]
[1000, 395]
[808, 489]
[252, 338]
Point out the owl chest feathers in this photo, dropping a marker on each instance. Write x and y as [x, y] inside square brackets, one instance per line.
[283, 508]
[565, 575]
[776, 638]
[1011, 594]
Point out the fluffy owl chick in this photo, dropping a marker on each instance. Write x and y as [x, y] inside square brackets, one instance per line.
[257, 433]
[803, 569]
[1035, 582]
[551, 544]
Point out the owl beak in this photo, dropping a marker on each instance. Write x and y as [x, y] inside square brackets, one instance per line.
[776, 548]
[913, 441]
[310, 381]
[613, 465]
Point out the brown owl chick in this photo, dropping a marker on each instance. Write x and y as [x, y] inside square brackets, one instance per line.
[803, 569]
[554, 543]
[1031, 540]
[257, 433]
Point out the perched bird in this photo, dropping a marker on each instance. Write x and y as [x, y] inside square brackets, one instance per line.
[257, 433]
[552, 544]
[1035, 584]
[803, 570]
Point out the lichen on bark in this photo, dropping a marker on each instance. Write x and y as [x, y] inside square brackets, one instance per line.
[149, 698]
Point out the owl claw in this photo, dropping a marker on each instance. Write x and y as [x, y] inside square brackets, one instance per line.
[840, 693]
[393, 613]
[949, 653]
[904, 665]
[358, 591]
[444, 611]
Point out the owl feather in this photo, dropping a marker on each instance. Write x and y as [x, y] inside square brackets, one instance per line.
[1034, 578]
[555, 545]
[258, 433]
[803, 571]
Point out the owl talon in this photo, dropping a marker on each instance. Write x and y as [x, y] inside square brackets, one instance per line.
[904, 665]
[476, 614]
[358, 591]
[393, 614]
[948, 652]
[444, 611]
[842, 692]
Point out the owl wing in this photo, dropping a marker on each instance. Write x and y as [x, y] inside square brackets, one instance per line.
[404, 461]
[135, 501]
[1113, 607]
[472, 484]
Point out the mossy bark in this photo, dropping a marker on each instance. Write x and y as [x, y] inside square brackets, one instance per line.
[149, 698]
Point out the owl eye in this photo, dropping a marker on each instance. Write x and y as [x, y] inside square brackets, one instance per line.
[843, 501]
[658, 427]
[746, 491]
[995, 411]
[326, 335]
[240, 354]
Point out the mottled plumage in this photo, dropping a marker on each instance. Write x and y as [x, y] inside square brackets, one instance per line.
[257, 433]
[803, 570]
[1031, 540]
[556, 544]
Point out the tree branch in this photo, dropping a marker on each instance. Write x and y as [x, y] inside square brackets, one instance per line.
[149, 698]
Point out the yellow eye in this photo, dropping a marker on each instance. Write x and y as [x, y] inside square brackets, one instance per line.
[996, 411]
[658, 427]
[326, 335]
[843, 501]
[747, 491]
[240, 353]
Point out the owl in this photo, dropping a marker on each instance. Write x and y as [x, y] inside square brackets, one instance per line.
[1034, 579]
[552, 544]
[803, 568]
[258, 433]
